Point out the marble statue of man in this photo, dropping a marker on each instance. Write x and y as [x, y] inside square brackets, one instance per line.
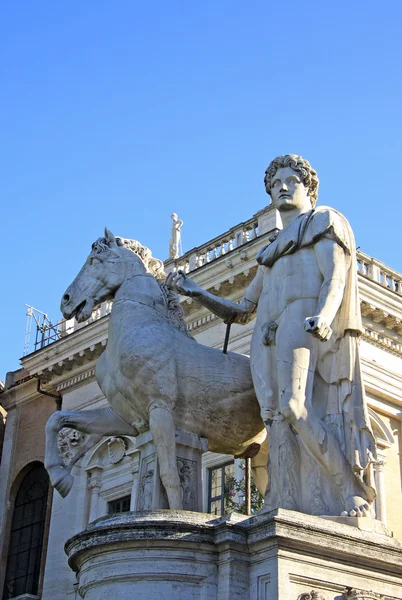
[174, 243]
[305, 352]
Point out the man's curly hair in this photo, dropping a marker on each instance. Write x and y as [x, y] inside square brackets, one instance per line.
[299, 164]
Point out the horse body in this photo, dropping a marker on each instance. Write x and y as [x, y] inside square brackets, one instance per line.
[210, 393]
[154, 376]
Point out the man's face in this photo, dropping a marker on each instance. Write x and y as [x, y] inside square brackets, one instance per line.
[288, 190]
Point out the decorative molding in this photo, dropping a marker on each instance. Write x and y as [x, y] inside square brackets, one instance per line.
[76, 379]
[355, 594]
[116, 492]
[387, 439]
[379, 340]
[116, 449]
[95, 479]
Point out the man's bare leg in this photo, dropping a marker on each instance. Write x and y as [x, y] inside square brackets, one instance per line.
[296, 366]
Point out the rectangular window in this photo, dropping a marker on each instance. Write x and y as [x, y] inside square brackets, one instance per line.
[220, 486]
[119, 506]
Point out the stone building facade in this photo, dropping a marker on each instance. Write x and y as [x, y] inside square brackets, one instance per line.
[107, 477]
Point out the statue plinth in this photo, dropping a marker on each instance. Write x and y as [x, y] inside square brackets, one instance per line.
[189, 450]
[279, 555]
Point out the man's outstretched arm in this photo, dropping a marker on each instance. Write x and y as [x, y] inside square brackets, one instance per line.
[225, 309]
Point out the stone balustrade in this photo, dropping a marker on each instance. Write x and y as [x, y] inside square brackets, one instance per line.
[67, 326]
[373, 269]
[216, 248]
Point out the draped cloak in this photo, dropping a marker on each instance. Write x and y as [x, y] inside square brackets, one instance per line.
[346, 412]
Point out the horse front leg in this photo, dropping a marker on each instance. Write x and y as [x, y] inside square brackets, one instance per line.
[59, 474]
[97, 423]
[163, 433]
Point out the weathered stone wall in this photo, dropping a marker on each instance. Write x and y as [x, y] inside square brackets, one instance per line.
[24, 443]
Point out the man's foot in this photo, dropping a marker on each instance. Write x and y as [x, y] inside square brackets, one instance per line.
[356, 506]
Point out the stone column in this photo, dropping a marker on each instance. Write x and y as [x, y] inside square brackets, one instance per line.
[380, 503]
[94, 485]
[135, 470]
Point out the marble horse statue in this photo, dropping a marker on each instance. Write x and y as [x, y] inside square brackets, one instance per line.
[153, 373]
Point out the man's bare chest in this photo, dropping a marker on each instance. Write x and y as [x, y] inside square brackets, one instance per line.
[291, 277]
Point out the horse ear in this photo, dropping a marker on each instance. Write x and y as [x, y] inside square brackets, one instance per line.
[110, 238]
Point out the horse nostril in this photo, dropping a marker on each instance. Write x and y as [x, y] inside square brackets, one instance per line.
[66, 298]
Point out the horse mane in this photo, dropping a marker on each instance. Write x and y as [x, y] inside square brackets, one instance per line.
[152, 264]
[156, 268]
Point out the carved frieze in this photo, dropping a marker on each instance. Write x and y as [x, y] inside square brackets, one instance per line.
[146, 490]
[188, 481]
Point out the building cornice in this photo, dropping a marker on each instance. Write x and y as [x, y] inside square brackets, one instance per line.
[382, 382]
[56, 362]
[79, 378]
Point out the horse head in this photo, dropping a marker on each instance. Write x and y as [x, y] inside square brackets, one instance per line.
[111, 261]
[101, 275]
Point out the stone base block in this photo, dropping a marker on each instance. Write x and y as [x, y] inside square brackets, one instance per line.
[151, 493]
[280, 555]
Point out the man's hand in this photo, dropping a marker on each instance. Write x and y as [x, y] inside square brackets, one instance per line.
[318, 328]
[183, 284]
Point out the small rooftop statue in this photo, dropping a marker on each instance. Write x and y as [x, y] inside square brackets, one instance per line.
[175, 241]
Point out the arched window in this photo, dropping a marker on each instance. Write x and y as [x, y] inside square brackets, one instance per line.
[26, 538]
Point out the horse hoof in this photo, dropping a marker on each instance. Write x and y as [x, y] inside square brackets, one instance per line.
[61, 479]
[64, 485]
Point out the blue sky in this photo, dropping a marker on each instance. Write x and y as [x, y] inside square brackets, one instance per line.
[118, 113]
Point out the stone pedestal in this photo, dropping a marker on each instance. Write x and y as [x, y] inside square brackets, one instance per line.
[280, 555]
[151, 493]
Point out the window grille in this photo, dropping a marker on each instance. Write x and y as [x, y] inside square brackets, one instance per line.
[220, 485]
[26, 539]
[119, 506]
